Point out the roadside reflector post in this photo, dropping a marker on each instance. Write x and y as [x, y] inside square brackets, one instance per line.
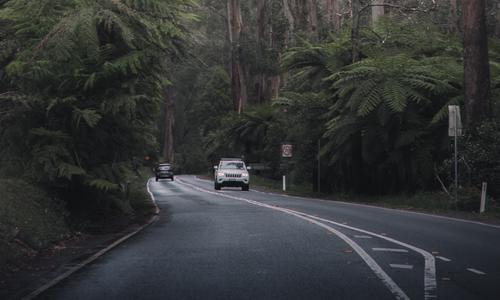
[482, 209]
[284, 183]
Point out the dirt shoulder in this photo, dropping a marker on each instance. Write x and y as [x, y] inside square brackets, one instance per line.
[33, 269]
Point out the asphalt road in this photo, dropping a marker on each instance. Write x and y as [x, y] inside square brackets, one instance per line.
[252, 245]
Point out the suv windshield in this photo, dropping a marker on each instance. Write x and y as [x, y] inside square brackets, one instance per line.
[164, 168]
[231, 165]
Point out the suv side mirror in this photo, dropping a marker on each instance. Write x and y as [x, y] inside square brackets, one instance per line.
[249, 167]
[216, 168]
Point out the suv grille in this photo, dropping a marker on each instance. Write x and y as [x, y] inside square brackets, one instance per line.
[232, 175]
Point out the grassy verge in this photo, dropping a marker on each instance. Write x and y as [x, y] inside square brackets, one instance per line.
[432, 202]
[29, 220]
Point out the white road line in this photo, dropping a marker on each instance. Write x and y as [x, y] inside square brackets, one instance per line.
[443, 258]
[398, 266]
[390, 250]
[378, 207]
[379, 272]
[476, 271]
[362, 236]
[430, 282]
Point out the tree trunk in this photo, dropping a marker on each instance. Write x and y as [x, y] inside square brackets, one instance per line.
[287, 11]
[168, 138]
[238, 84]
[497, 24]
[452, 16]
[312, 18]
[355, 7]
[377, 11]
[261, 45]
[333, 14]
[476, 62]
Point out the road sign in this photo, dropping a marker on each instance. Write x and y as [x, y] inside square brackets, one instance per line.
[455, 121]
[286, 150]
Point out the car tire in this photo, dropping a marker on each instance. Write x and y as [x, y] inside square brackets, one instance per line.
[217, 186]
[156, 178]
[172, 178]
[245, 188]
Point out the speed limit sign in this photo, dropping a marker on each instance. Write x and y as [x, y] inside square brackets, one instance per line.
[286, 150]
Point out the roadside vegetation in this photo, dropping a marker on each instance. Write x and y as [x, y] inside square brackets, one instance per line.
[81, 89]
[368, 95]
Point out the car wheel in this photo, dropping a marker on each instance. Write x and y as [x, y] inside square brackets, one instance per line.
[172, 178]
[156, 178]
[246, 187]
[217, 186]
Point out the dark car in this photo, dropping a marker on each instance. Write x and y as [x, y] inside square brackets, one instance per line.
[164, 171]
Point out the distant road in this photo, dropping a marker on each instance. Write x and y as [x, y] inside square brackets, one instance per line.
[252, 245]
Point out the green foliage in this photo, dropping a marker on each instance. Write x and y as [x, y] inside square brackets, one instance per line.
[387, 116]
[81, 94]
[480, 151]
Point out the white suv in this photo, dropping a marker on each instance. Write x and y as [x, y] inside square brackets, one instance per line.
[232, 172]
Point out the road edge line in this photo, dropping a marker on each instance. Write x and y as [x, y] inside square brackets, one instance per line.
[91, 259]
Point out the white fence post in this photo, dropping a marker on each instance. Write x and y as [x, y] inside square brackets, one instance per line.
[482, 209]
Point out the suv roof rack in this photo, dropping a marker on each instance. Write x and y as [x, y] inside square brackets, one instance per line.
[231, 159]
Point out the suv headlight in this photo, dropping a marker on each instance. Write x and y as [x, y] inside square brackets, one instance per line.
[244, 174]
[221, 174]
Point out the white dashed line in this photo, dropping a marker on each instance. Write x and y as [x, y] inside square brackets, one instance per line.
[476, 271]
[398, 266]
[362, 236]
[443, 258]
[390, 250]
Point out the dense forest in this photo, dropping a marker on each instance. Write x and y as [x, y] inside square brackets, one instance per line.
[362, 85]
[92, 90]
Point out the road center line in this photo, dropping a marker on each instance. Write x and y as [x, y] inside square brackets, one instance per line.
[430, 283]
[362, 236]
[398, 266]
[476, 271]
[390, 250]
[379, 272]
[443, 258]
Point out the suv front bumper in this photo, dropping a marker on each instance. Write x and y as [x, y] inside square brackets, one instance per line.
[233, 182]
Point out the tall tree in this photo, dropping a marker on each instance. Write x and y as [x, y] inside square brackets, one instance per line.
[312, 18]
[476, 62]
[355, 12]
[452, 16]
[333, 14]
[261, 45]
[168, 135]
[377, 10]
[238, 82]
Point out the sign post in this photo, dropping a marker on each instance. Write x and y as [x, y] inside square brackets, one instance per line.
[455, 130]
[286, 152]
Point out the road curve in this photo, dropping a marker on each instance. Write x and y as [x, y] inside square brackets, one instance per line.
[253, 245]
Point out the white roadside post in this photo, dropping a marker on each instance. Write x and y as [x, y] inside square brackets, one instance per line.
[455, 130]
[286, 152]
[482, 208]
